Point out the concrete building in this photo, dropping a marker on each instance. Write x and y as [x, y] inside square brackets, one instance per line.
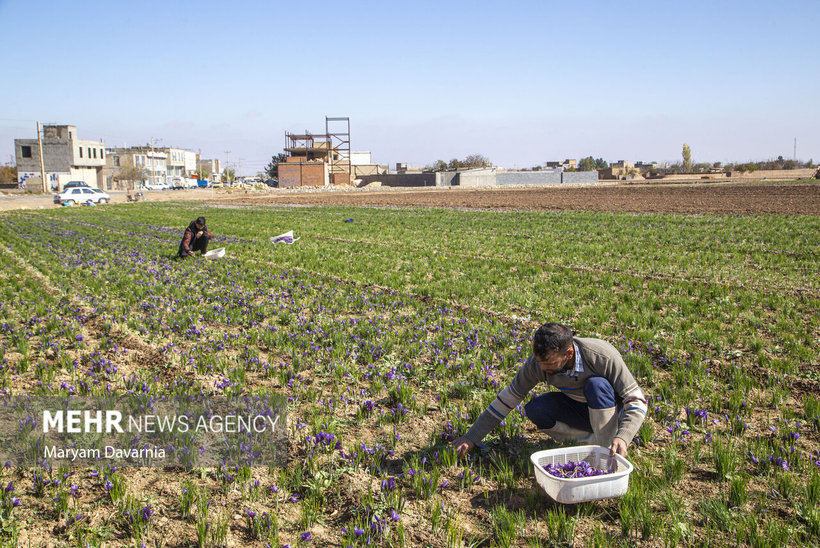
[65, 158]
[211, 165]
[153, 163]
[180, 162]
[623, 171]
[568, 164]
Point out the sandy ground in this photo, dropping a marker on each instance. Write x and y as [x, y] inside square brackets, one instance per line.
[786, 198]
[45, 201]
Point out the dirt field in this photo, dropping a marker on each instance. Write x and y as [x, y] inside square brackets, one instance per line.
[795, 198]
[788, 198]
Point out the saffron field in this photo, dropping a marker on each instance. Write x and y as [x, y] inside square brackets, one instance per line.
[388, 335]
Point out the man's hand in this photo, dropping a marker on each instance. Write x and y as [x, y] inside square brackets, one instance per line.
[463, 445]
[198, 234]
[618, 446]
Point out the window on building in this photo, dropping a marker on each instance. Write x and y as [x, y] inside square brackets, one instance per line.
[89, 152]
[25, 152]
[95, 153]
[102, 153]
[81, 152]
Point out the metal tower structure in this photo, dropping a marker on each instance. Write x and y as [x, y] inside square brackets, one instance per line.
[338, 133]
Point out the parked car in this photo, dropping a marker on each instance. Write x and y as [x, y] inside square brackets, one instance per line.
[273, 183]
[82, 195]
[157, 186]
[75, 184]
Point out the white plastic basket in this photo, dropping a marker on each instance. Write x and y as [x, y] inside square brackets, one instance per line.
[575, 490]
[217, 253]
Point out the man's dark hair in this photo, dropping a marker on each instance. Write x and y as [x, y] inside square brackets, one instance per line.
[200, 221]
[551, 337]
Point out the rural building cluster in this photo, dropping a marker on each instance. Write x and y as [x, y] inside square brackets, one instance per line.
[326, 159]
[310, 159]
[65, 157]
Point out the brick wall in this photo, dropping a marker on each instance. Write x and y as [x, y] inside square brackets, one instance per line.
[294, 175]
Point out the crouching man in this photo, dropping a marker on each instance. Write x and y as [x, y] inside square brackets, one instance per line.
[598, 400]
[196, 238]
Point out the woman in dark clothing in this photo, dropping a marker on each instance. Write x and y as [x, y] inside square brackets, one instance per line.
[196, 238]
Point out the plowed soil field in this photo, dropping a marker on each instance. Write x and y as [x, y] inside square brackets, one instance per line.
[794, 198]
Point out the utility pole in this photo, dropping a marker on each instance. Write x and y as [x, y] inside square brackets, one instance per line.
[225, 170]
[152, 162]
[795, 149]
[42, 163]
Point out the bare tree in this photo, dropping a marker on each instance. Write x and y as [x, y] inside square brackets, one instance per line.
[131, 174]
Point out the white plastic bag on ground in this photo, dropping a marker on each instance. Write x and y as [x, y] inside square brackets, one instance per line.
[286, 238]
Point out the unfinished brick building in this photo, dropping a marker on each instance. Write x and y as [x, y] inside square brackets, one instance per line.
[318, 159]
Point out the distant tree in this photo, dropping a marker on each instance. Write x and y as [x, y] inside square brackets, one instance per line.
[587, 164]
[470, 162]
[228, 174]
[203, 173]
[686, 153]
[8, 174]
[475, 161]
[272, 169]
[810, 163]
[438, 165]
[131, 175]
[600, 163]
[716, 165]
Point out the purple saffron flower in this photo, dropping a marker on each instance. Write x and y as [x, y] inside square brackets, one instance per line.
[146, 513]
[358, 532]
[306, 537]
[251, 513]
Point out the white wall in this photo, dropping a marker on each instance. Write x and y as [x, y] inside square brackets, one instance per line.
[85, 160]
[360, 158]
[87, 174]
[190, 162]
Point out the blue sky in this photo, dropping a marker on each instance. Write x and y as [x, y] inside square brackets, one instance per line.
[520, 82]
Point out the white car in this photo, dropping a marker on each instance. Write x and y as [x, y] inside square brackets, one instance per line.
[82, 195]
[157, 186]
